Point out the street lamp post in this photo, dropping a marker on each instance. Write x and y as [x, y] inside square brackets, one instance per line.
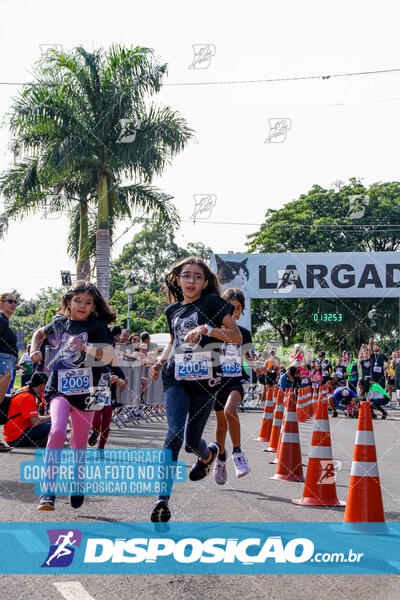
[132, 289]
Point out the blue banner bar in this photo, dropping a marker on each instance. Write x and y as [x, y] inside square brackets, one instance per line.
[201, 548]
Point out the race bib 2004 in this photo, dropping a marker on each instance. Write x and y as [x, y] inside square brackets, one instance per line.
[193, 366]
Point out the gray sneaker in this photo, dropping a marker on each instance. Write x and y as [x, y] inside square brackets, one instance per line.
[220, 474]
[46, 503]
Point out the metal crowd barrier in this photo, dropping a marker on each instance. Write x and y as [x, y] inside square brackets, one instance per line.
[134, 407]
[137, 407]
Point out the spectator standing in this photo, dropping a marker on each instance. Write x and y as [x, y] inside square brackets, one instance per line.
[390, 373]
[396, 365]
[27, 366]
[364, 360]
[340, 371]
[8, 346]
[352, 372]
[297, 355]
[378, 361]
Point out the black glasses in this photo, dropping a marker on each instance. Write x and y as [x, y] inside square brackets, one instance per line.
[12, 301]
[189, 277]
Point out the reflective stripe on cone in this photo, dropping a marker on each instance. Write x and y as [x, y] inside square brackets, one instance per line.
[289, 466]
[364, 497]
[320, 484]
[276, 423]
[266, 421]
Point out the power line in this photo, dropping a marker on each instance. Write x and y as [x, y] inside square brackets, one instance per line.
[241, 81]
[293, 226]
[324, 227]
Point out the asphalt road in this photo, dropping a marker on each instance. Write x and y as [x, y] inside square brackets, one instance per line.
[251, 498]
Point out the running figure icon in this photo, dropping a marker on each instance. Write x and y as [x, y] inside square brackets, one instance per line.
[62, 549]
[63, 543]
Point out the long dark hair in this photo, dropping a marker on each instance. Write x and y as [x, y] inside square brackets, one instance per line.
[102, 310]
[173, 290]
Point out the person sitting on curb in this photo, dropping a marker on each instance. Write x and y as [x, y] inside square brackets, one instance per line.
[24, 428]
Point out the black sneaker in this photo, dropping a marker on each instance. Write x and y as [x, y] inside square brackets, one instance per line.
[4, 448]
[76, 501]
[374, 416]
[384, 414]
[335, 414]
[46, 503]
[92, 439]
[201, 469]
[160, 512]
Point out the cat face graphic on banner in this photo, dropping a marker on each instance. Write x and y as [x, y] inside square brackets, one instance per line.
[232, 274]
[235, 274]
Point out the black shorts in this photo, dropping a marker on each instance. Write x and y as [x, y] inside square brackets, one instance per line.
[261, 379]
[325, 379]
[223, 395]
[390, 380]
[270, 379]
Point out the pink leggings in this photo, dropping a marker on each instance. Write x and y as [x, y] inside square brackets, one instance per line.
[101, 424]
[81, 421]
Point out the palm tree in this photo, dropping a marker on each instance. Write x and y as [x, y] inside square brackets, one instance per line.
[85, 127]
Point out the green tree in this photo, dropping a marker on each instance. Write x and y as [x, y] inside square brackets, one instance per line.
[37, 312]
[148, 257]
[87, 119]
[150, 254]
[349, 218]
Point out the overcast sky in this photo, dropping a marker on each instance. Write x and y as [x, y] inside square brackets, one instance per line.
[339, 128]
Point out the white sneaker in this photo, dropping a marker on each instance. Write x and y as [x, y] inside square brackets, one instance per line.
[389, 405]
[220, 474]
[241, 464]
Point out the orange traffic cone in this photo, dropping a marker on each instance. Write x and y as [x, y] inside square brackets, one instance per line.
[299, 406]
[266, 421]
[315, 400]
[310, 410]
[289, 467]
[364, 498]
[320, 486]
[273, 462]
[276, 423]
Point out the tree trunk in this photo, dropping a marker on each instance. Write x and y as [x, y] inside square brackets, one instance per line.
[83, 262]
[103, 239]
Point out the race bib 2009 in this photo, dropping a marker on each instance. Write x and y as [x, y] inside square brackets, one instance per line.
[73, 382]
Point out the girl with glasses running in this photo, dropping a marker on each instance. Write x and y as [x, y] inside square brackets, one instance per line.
[197, 319]
[78, 335]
